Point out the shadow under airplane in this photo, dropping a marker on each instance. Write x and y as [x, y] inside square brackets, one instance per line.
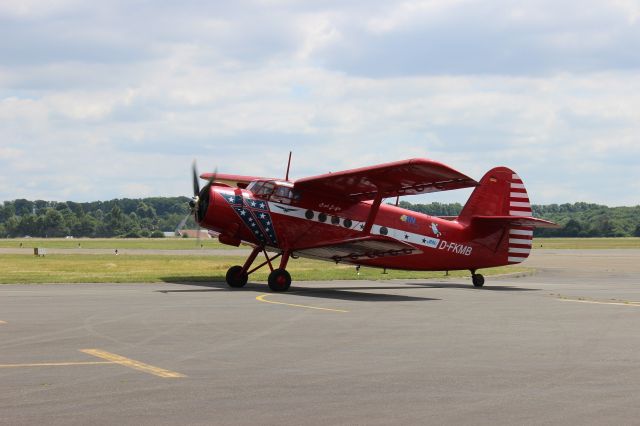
[351, 293]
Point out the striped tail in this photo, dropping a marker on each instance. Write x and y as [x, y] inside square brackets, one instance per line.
[518, 198]
[520, 241]
[501, 204]
[520, 237]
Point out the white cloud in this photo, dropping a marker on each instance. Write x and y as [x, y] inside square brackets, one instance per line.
[239, 86]
[34, 8]
[318, 31]
[409, 13]
[9, 153]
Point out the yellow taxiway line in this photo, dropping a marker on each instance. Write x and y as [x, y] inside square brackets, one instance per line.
[595, 302]
[136, 365]
[55, 364]
[261, 298]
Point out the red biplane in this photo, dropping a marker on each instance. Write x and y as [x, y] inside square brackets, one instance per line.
[341, 217]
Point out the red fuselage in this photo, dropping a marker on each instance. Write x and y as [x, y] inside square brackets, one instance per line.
[308, 220]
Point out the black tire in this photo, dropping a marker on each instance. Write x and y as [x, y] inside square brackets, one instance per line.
[279, 280]
[235, 277]
[478, 280]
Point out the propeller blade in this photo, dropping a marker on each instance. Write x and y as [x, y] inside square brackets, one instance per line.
[182, 223]
[198, 209]
[196, 185]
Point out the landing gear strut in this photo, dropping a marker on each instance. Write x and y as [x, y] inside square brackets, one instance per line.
[279, 279]
[477, 279]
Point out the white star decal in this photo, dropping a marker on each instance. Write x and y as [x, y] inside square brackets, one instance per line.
[262, 216]
[262, 205]
[242, 212]
[253, 204]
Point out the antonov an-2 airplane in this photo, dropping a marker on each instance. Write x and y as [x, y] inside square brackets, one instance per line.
[341, 217]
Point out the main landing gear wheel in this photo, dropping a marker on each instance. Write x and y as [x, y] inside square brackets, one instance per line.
[477, 279]
[235, 277]
[279, 280]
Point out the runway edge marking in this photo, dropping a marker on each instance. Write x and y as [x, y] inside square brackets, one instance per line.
[131, 363]
[261, 298]
[595, 302]
[56, 364]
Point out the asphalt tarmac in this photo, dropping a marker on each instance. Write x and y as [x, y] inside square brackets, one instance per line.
[561, 346]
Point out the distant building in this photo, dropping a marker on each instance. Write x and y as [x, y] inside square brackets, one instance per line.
[193, 233]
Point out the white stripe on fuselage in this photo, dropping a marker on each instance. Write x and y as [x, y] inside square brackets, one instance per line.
[398, 234]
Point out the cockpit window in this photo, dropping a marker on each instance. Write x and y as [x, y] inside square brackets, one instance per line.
[265, 190]
[274, 191]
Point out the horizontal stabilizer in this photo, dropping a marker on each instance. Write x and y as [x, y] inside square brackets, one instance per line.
[516, 221]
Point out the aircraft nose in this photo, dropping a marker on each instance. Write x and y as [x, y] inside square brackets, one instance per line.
[203, 204]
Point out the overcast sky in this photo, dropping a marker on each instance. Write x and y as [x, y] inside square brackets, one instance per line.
[110, 99]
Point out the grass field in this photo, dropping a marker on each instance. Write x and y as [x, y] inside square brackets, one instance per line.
[191, 243]
[148, 268]
[114, 243]
[78, 268]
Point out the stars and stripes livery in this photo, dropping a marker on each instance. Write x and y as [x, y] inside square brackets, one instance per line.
[521, 237]
[518, 199]
[256, 216]
[520, 240]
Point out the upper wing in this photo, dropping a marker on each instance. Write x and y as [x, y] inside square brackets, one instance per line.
[407, 177]
[238, 181]
[351, 250]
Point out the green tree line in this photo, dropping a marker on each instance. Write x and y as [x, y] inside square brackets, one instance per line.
[575, 220]
[152, 216]
[147, 217]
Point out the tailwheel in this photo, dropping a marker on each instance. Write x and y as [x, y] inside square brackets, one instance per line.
[236, 278]
[279, 280]
[477, 279]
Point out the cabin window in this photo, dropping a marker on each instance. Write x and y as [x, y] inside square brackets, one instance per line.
[261, 188]
[273, 191]
[285, 194]
[265, 189]
[283, 191]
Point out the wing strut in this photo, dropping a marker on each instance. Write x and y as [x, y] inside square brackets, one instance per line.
[373, 212]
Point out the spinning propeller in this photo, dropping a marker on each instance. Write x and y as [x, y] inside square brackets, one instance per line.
[200, 200]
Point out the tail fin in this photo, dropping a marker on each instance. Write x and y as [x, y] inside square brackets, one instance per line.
[501, 203]
[500, 193]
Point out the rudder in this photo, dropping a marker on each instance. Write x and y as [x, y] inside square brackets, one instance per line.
[500, 193]
[501, 200]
